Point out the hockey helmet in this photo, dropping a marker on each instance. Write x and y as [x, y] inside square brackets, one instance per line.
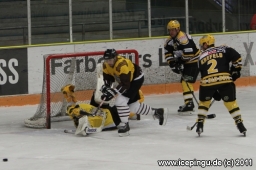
[208, 39]
[109, 54]
[173, 24]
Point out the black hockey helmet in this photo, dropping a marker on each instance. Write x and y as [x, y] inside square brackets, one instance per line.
[109, 54]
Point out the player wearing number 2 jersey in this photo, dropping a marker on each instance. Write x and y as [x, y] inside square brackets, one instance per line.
[219, 67]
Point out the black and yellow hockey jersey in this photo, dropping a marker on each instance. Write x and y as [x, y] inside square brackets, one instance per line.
[184, 43]
[214, 65]
[124, 72]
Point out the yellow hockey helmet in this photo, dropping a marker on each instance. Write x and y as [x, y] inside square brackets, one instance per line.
[173, 24]
[208, 39]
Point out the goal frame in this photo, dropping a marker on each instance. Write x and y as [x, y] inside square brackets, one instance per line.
[66, 55]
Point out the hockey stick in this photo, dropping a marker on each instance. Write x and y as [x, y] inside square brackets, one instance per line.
[191, 127]
[101, 103]
[209, 116]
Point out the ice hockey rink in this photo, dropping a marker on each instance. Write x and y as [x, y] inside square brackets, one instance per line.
[148, 143]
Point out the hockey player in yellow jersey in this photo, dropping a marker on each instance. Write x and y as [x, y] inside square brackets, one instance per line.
[130, 79]
[181, 54]
[219, 67]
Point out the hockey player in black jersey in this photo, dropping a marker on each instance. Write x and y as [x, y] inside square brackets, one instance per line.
[181, 51]
[219, 67]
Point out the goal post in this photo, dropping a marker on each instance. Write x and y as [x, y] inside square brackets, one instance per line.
[78, 69]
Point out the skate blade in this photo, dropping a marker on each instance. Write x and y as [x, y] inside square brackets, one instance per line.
[244, 133]
[188, 113]
[124, 134]
[199, 132]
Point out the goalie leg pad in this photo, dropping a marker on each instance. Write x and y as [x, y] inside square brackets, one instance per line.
[90, 124]
[83, 123]
[98, 125]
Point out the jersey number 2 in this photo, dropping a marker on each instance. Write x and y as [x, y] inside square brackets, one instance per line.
[212, 68]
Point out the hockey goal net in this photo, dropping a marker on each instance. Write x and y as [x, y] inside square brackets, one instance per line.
[78, 69]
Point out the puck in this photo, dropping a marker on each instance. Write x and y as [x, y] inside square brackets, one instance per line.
[5, 159]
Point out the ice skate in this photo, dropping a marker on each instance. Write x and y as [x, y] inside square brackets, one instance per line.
[240, 127]
[161, 115]
[123, 129]
[200, 124]
[199, 128]
[186, 109]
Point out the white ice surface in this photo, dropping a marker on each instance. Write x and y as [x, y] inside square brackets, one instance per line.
[42, 149]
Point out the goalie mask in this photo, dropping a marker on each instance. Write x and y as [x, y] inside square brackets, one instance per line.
[109, 54]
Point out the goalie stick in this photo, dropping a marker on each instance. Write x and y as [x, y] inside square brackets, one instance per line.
[69, 131]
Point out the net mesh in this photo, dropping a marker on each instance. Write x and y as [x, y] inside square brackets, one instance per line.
[78, 69]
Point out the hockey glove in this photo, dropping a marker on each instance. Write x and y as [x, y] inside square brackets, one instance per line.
[108, 94]
[235, 74]
[217, 96]
[178, 54]
[175, 70]
[178, 68]
[104, 88]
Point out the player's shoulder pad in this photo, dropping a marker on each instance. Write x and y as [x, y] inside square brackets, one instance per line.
[224, 47]
[168, 41]
[119, 57]
[182, 38]
[121, 61]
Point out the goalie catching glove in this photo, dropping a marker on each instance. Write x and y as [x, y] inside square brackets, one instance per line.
[108, 93]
